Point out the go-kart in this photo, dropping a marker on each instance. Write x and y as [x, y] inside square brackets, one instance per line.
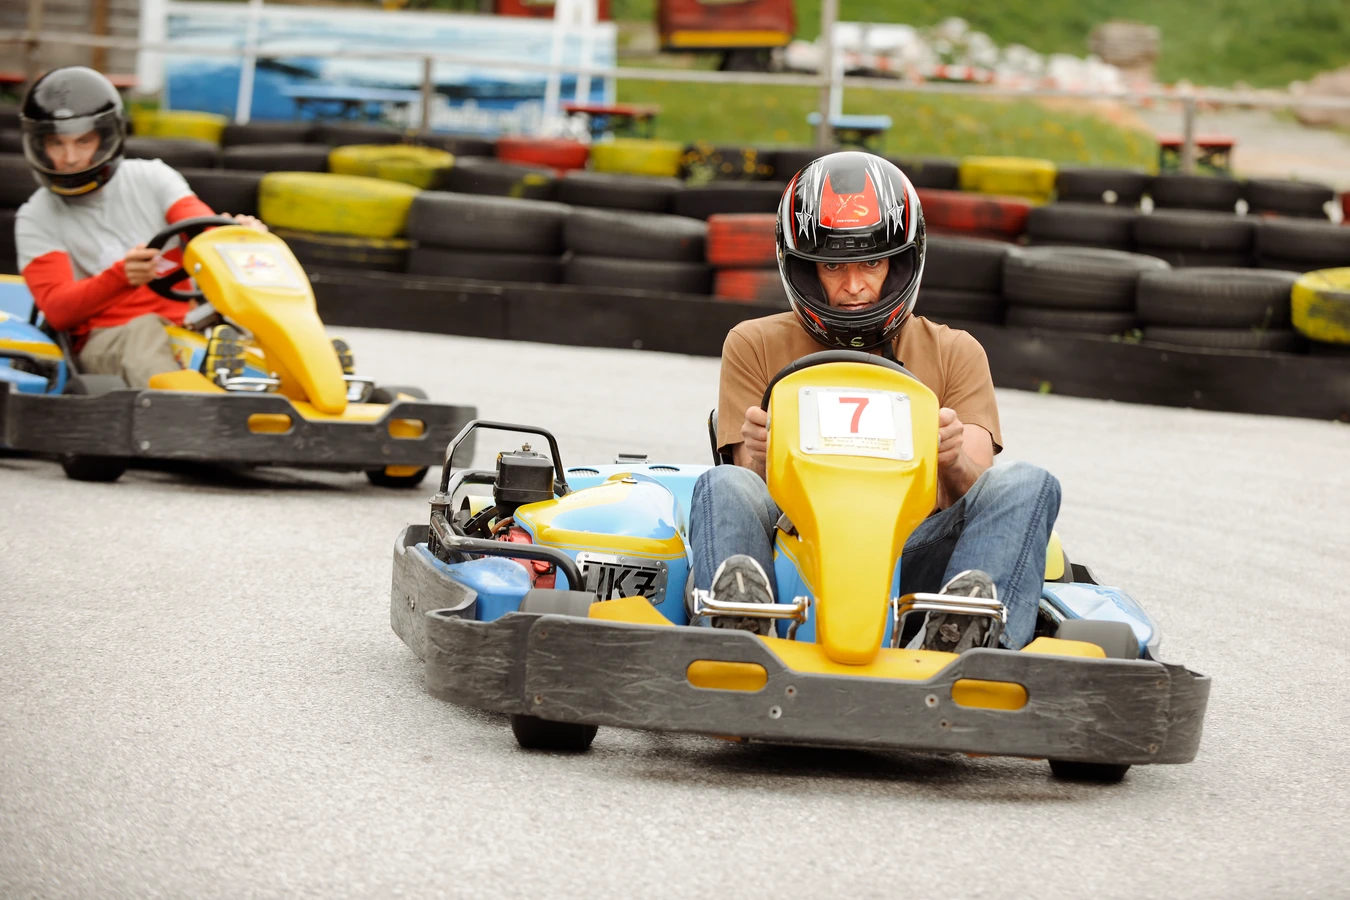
[561, 600]
[272, 389]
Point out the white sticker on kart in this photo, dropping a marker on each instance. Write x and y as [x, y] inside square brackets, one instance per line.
[259, 265]
[846, 422]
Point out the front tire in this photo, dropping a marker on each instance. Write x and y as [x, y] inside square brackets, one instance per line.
[1118, 641]
[103, 469]
[533, 733]
[381, 477]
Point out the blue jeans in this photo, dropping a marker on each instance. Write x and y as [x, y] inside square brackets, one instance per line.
[1001, 525]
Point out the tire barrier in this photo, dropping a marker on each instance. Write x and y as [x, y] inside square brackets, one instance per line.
[177, 153]
[9, 262]
[1300, 199]
[1118, 187]
[631, 235]
[633, 156]
[276, 157]
[609, 191]
[1079, 321]
[173, 123]
[1173, 191]
[750, 286]
[1009, 176]
[703, 162]
[1075, 278]
[1193, 238]
[743, 241]
[267, 133]
[335, 204]
[930, 172]
[954, 212]
[337, 134]
[457, 145]
[346, 252]
[702, 201]
[1302, 246]
[11, 140]
[964, 265]
[475, 175]
[1082, 224]
[788, 161]
[559, 154]
[639, 274]
[954, 306]
[235, 193]
[17, 182]
[1282, 340]
[485, 266]
[469, 222]
[1321, 308]
[1215, 298]
[422, 167]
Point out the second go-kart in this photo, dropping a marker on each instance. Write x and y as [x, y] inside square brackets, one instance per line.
[261, 383]
[560, 599]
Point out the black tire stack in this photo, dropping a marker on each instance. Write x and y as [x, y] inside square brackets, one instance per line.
[1229, 309]
[606, 190]
[177, 153]
[1215, 194]
[1113, 187]
[1187, 238]
[17, 184]
[224, 191]
[486, 238]
[490, 177]
[642, 251]
[291, 157]
[1296, 199]
[962, 280]
[1081, 225]
[236, 135]
[1076, 289]
[702, 201]
[1299, 246]
[930, 172]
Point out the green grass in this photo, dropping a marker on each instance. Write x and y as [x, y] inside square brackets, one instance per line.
[921, 126]
[1215, 42]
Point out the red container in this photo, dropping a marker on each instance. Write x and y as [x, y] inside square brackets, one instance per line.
[700, 25]
[541, 9]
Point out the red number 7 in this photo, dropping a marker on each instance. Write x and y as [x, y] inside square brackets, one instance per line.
[857, 413]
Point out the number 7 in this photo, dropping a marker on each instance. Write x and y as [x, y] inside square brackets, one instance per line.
[857, 413]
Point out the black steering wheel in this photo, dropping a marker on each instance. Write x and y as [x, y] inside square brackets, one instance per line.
[831, 356]
[186, 230]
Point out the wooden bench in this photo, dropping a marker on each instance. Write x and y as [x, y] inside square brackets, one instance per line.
[1212, 151]
[862, 132]
[623, 119]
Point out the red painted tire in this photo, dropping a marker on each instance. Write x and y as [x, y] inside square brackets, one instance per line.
[1345, 208]
[750, 286]
[950, 212]
[742, 241]
[557, 153]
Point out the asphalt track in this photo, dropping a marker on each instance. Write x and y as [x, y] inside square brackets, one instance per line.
[200, 695]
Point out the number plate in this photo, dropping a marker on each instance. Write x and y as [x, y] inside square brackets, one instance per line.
[611, 577]
[845, 422]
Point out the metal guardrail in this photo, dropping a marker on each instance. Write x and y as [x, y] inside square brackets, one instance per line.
[1189, 99]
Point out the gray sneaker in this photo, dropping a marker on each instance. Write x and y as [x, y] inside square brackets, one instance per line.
[954, 633]
[740, 579]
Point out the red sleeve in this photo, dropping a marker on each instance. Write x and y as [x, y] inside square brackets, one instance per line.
[188, 208]
[68, 303]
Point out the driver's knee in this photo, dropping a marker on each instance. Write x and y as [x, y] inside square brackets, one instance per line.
[724, 486]
[147, 350]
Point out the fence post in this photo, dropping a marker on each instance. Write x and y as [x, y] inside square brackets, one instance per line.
[829, 12]
[427, 93]
[1188, 135]
[30, 62]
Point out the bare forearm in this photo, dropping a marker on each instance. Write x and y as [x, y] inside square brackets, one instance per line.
[746, 460]
[955, 479]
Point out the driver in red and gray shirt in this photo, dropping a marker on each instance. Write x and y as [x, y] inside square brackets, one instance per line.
[73, 234]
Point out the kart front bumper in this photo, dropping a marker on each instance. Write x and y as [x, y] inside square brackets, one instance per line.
[628, 675]
[216, 427]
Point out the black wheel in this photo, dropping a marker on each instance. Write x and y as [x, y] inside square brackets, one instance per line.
[1118, 641]
[1092, 773]
[534, 733]
[94, 468]
[381, 477]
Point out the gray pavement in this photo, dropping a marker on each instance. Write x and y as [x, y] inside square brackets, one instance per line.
[200, 695]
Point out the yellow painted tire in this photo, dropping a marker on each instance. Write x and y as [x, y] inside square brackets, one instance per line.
[1321, 306]
[335, 204]
[419, 166]
[176, 123]
[633, 156]
[1033, 179]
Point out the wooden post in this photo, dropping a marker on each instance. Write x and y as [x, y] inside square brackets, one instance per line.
[829, 13]
[98, 14]
[1188, 136]
[427, 93]
[31, 63]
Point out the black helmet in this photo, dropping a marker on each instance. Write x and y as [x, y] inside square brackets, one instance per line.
[73, 101]
[850, 207]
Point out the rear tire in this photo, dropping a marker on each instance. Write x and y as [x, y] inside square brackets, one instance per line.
[533, 733]
[1117, 640]
[104, 469]
[378, 477]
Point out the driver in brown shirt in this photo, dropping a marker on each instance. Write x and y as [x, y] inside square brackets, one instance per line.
[851, 253]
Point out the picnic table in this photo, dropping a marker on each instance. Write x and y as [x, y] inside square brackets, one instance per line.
[623, 119]
[863, 132]
[351, 101]
[1212, 151]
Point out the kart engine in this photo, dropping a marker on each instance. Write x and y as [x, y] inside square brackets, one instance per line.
[522, 477]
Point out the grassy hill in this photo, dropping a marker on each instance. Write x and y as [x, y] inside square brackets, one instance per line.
[1215, 42]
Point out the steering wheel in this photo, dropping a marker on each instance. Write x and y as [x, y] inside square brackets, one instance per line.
[186, 230]
[831, 356]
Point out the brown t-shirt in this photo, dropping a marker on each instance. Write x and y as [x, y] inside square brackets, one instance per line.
[950, 363]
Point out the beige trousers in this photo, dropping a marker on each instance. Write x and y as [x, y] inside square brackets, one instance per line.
[137, 350]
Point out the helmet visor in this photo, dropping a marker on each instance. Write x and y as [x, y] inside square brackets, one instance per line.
[74, 145]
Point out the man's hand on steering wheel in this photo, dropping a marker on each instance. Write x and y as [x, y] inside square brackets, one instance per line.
[185, 231]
